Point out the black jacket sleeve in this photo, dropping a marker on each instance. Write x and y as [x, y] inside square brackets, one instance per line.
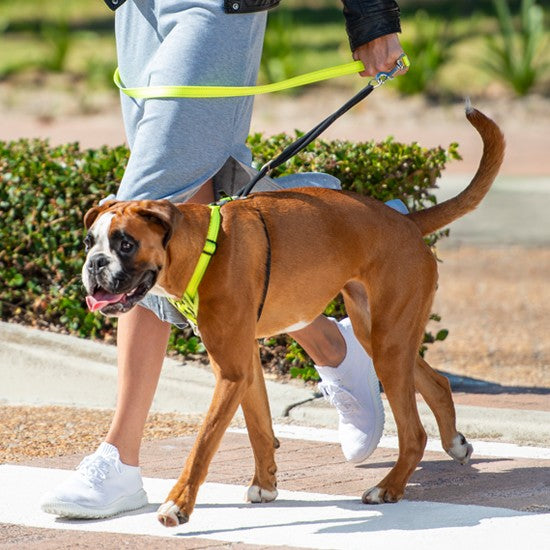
[370, 19]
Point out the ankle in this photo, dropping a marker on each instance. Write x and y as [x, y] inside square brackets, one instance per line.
[329, 356]
[326, 347]
[129, 455]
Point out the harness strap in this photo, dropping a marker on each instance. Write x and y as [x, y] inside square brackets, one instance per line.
[188, 304]
[267, 267]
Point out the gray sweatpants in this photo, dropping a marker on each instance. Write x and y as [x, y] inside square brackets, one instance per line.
[178, 143]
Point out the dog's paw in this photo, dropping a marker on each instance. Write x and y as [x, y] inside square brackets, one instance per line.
[170, 515]
[461, 450]
[378, 495]
[257, 494]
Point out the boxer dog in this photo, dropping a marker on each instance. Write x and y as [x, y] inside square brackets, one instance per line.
[281, 258]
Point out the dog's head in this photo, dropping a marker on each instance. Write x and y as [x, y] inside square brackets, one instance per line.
[125, 251]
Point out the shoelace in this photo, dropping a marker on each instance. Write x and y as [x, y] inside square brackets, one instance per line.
[340, 398]
[94, 469]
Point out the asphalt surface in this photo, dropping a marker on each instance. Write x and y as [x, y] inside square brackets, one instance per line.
[500, 500]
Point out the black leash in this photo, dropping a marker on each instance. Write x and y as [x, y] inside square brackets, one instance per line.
[302, 142]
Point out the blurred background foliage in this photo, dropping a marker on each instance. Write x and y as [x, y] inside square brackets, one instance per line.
[452, 45]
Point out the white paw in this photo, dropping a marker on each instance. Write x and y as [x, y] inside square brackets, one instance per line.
[373, 496]
[461, 450]
[170, 515]
[257, 494]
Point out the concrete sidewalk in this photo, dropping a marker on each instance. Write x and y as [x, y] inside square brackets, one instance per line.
[42, 368]
[497, 501]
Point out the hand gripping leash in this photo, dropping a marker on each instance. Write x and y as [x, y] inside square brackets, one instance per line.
[302, 142]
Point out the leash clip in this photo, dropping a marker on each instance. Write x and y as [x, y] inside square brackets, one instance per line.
[382, 77]
[265, 170]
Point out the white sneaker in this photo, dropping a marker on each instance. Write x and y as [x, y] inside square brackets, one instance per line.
[101, 486]
[354, 390]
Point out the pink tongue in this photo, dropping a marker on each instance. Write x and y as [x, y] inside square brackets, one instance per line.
[101, 299]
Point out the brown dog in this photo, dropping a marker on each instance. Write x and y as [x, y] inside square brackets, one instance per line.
[321, 242]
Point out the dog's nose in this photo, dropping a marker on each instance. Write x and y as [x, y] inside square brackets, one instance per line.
[97, 262]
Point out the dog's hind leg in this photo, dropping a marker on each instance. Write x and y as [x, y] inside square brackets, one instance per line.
[257, 414]
[434, 387]
[357, 308]
[400, 298]
[436, 391]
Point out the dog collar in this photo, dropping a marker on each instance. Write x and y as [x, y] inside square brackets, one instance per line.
[188, 304]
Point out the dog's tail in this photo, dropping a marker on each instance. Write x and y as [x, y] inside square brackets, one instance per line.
[440, 215]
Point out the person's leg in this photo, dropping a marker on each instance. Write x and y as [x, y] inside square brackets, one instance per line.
[322, 341]
[142, 341]
[348, 381]
[176, 146]
[109, 481]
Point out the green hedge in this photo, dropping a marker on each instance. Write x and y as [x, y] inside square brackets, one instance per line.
[45, 192]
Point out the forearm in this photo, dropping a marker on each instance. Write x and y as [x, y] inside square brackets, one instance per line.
[367, 20]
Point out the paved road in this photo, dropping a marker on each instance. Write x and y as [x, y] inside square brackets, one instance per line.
[501, 498]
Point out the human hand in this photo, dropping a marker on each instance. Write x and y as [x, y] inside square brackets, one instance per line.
[379, 55]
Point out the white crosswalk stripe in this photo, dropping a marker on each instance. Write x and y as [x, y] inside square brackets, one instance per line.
[307, 520]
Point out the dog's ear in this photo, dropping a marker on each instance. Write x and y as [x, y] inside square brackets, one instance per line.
[163, 213]
[91, 216]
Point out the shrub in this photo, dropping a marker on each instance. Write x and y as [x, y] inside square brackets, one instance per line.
[45, 192]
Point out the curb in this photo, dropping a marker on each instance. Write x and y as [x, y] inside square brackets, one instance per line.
[43, 368]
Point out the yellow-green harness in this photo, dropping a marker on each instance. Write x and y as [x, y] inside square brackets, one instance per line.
[188, 304]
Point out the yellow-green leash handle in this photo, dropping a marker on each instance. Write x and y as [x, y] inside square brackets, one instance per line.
[149, 92]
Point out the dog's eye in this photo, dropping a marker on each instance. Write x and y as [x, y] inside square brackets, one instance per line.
[126, 246]
[88, 242]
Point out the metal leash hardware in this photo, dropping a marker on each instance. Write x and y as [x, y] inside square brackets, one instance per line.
[382, 77]
[302, 142]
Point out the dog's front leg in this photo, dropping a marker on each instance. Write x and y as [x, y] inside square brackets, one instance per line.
[232, 381]
[257, 414]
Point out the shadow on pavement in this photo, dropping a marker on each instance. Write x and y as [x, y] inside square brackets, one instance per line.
[475, 385]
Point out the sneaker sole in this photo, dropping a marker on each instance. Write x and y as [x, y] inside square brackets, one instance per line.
[77, 511]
